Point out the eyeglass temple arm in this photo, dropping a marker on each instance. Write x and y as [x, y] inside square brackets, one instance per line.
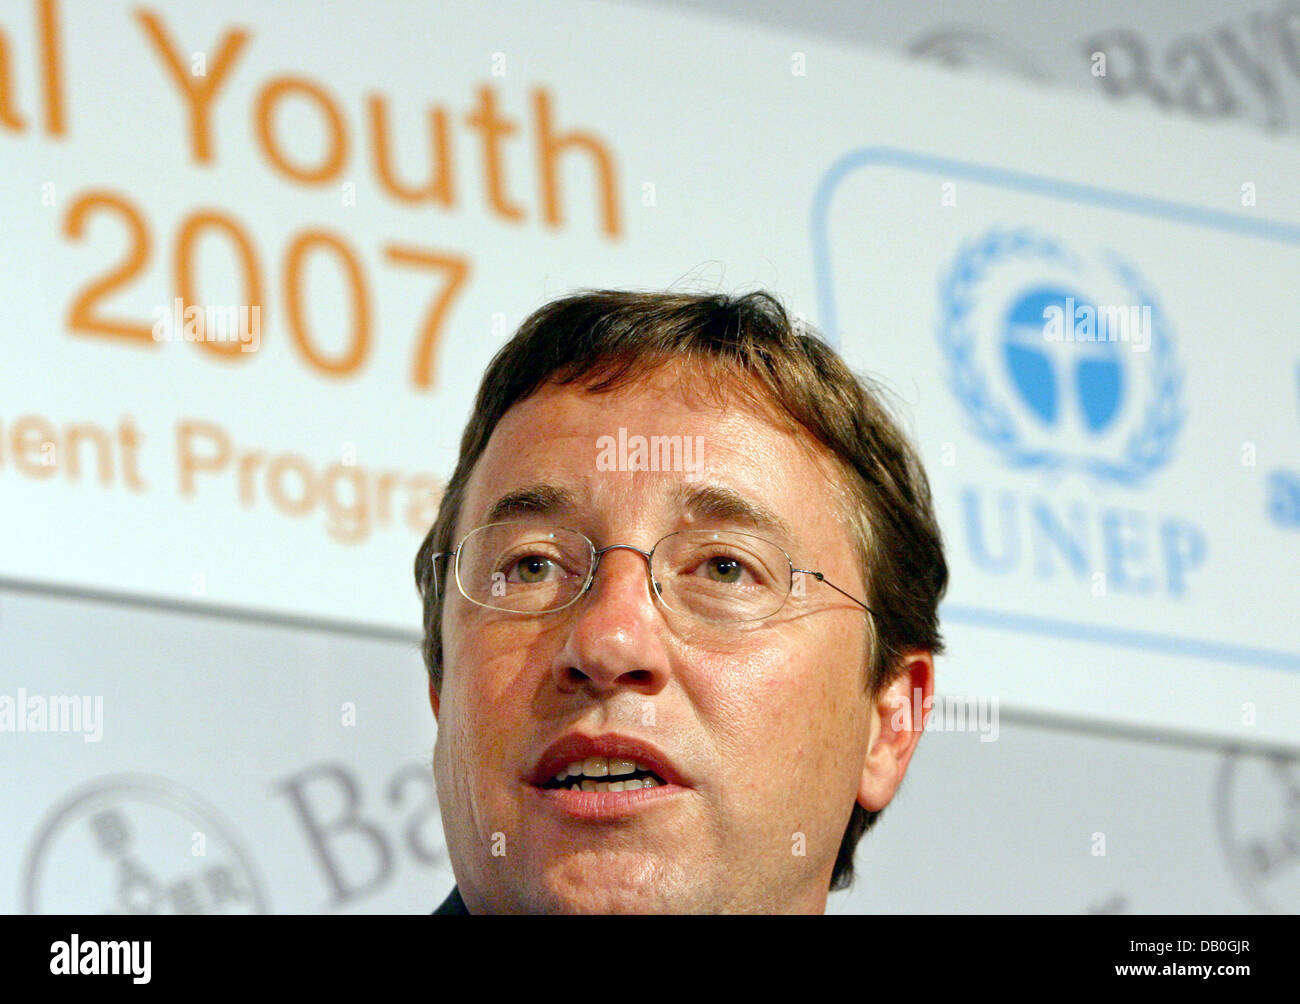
[433, 558]
[821, 578]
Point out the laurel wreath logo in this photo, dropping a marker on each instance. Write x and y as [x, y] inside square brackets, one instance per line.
[1151, 444]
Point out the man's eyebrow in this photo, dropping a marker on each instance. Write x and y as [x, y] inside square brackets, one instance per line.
[726, 505]
[708, 503]
[533, 500]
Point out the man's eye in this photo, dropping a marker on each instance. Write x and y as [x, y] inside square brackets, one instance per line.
[531, 568]
[723, 568]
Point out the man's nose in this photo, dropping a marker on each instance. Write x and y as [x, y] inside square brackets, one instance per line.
[615, 634]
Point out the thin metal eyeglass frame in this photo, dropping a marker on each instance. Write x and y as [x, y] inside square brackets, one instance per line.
[598, 552]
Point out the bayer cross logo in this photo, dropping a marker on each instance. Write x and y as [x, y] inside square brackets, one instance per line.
[1257, 810]
[962, 45]
[138, 844]
[1061, 364]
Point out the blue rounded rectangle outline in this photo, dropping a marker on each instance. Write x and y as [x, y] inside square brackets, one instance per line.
[1066, 191]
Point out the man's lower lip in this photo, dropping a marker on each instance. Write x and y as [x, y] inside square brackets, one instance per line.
[605, 804]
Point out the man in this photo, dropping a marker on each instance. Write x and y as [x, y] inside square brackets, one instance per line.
[681, 590]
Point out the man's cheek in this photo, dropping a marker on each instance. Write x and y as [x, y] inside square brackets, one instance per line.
[768, 817]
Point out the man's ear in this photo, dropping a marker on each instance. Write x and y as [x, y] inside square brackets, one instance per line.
[898, 716]
[434, 699]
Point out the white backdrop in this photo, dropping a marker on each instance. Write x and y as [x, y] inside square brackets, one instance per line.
[1123, 522]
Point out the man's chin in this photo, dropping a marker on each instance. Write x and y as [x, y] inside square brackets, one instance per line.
[623, 882]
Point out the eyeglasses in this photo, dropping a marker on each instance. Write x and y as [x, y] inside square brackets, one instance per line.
[719, 576]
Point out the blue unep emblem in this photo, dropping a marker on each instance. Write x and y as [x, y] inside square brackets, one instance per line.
[1089, 379]
[1070, 376]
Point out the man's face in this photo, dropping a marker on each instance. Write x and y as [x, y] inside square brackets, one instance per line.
[766, 728]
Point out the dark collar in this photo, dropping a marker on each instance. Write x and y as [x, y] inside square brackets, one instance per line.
[453, 905]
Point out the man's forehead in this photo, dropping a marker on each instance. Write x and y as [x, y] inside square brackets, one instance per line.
[664, 403]
[706, 504]
[751, 471]
[667, 394]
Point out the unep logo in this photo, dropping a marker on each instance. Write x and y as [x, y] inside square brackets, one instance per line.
[1061, 364]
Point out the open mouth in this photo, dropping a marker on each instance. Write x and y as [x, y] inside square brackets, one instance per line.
[604, 774]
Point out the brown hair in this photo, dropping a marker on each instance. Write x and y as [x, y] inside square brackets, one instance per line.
[604, 338]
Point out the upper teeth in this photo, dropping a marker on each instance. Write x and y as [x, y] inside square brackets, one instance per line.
[600, 766]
